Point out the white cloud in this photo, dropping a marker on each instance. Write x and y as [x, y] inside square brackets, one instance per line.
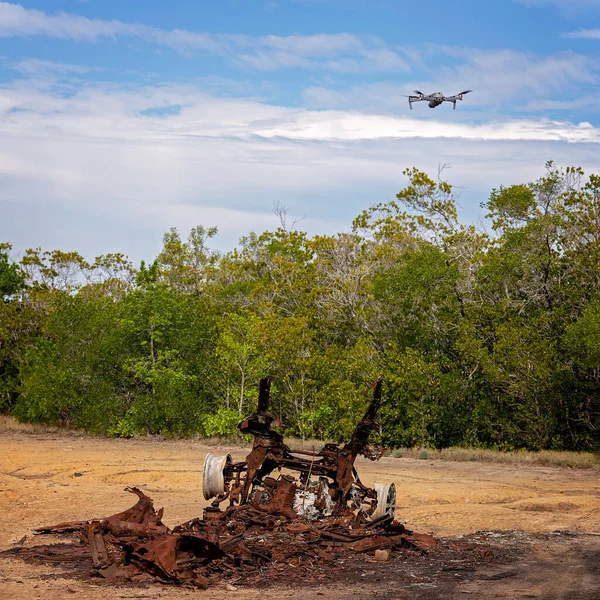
[36, 66]
[101, 112]
[582, 102]
[334, 125]
[584, 34]
[341, 52]
[561, 3]
[568, 6]
[501, 79]
[504, 73]
[365, 60]
[313, 45]
[15, 20]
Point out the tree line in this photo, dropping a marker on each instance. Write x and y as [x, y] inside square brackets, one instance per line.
[486, 336]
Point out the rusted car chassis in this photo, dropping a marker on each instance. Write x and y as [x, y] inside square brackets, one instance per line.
[328, 482]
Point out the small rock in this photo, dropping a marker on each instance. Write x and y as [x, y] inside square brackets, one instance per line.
[382, 555]
[230, 588]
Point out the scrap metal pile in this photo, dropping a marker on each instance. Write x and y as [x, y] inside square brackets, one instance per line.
[270, 523]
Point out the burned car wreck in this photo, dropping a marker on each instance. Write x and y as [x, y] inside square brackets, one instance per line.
[328, 483]
[279, 510]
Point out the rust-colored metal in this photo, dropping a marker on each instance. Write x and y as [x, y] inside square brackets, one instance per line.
[97, 545]
[234, 542]
[277, 497]
[333, 462]
[140, 519]
[176, 556]
[282, 521]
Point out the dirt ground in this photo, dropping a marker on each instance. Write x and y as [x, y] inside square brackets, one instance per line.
[543, 523]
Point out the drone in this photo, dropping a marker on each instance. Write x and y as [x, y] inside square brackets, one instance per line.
[436, 98]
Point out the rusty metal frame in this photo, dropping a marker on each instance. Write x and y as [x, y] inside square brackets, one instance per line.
[244, 480]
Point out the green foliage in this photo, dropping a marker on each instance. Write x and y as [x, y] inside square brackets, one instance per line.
[147, 276]
[240, 362]
[222, 423]
[19, 327]
[582, 338]
[512, 204]
[12, 279]
[125, 367]
[164, 401]
[483, 341]
[72, 375]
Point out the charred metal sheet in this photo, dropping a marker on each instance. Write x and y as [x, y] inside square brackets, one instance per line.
[97, 545]
[142, 513]
[175, 556]
[236, 542]
[276, 497]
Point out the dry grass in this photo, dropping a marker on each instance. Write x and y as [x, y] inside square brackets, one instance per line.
[576, 460]
[310, 445]
[217, 441]
[8, 423]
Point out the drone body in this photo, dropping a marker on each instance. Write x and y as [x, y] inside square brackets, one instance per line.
[436, 98]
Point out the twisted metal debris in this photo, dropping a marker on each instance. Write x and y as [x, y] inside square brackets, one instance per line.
[269, 523]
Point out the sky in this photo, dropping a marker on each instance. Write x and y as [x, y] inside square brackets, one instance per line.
[122, 118]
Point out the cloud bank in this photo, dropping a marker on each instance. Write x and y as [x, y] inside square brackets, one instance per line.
[100, 171]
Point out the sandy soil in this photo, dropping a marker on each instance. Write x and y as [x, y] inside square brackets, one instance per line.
[46, 479]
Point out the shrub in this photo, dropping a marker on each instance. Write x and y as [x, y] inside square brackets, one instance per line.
[221, 423]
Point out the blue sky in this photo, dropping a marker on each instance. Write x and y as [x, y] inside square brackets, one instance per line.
[120, 119]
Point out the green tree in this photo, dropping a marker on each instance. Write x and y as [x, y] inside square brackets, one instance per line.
[12, 279]
[241, 360]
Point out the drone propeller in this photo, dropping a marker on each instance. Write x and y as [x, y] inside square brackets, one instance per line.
[465, 92]
[418, 92]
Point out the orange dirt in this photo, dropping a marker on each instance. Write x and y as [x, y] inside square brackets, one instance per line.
[46, 479]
